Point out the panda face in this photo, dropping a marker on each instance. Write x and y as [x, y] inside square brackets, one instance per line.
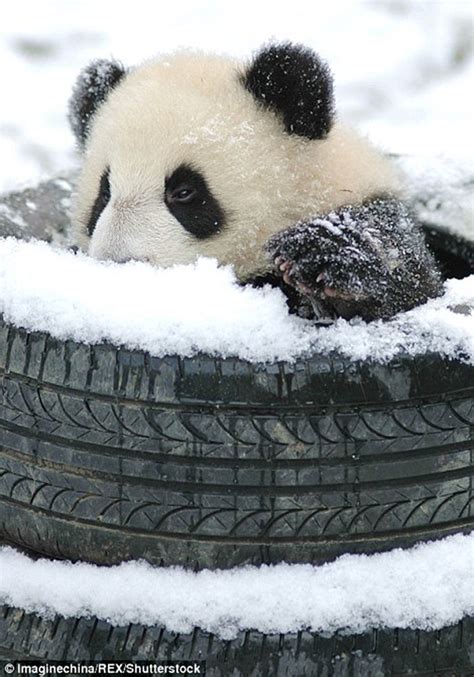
[181, 163]
[191, 156]
[186, 196]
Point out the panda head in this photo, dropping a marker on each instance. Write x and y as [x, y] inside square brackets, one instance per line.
[195, 155]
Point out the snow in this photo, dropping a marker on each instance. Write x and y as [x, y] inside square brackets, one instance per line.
[441, 192]
[402, 69]
[428, 586]
[200, 308]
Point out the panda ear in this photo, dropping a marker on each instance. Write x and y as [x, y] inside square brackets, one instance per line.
[294, 82]
[92, 87]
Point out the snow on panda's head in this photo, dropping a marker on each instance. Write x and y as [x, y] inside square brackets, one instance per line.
[194, 155]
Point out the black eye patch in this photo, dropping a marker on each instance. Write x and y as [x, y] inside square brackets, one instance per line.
[191, 202]
[101, 201]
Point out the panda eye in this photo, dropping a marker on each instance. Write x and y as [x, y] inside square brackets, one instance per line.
[191, 202]
[101, 201]
[183, 194]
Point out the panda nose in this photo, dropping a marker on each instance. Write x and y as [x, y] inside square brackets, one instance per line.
[116, 257]
[127, 259]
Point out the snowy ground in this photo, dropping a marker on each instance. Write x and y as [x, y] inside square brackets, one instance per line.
[427, 587]
[403, 68]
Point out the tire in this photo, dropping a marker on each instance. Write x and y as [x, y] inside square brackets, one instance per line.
[454, 254]
[40, 212]
[109, 455]
[376, 653]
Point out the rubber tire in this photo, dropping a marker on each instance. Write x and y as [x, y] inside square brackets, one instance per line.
[375, 653]
[109, 455]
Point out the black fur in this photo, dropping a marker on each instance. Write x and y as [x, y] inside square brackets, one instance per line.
[92, 88]
[369, 260]
[294, 82]
[202, 216]
[100, 203]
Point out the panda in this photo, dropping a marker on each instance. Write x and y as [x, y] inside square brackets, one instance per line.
[192, 155]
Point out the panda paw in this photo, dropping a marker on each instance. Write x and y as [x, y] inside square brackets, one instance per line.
[327, 261]
[290, 273]
[323, 284]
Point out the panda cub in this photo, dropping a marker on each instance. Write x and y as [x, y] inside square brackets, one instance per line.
[194, 155]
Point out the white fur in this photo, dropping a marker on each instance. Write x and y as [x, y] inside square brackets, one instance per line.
[191, 108]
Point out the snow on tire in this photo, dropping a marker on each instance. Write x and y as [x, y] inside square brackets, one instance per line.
[386, 651]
